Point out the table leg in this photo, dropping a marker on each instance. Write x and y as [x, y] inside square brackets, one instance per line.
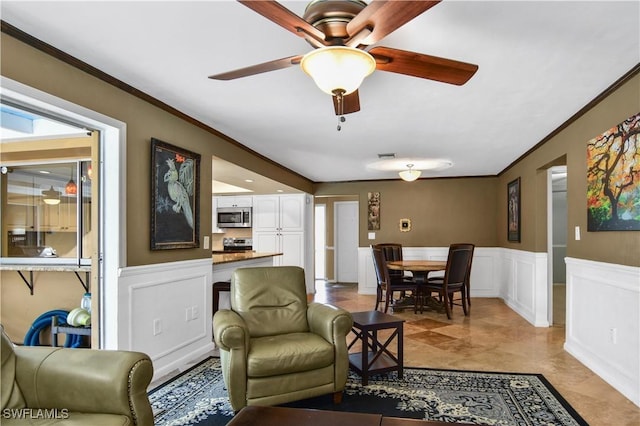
[365, 357]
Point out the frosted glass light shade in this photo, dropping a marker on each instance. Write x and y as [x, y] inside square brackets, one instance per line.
[410, 175]
[338, 68]
[51, 196]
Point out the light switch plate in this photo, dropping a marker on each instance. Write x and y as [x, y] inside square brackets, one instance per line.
[205, 242]
[372, 235]
[577, 232]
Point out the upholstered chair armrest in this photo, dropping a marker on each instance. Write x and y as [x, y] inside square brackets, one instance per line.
[329, 321]
[86, 380]
[333, 324]
[230, 331]
[231, 335]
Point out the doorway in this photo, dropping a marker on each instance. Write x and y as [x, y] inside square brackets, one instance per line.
[557, 244]
[346, 241]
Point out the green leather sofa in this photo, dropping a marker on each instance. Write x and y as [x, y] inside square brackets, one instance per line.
[274, 346]
[42, 385]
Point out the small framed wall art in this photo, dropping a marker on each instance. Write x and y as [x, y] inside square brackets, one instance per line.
[405, 225]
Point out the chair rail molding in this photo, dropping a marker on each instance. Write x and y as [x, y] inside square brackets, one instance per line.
[603, 322]
[164, 310]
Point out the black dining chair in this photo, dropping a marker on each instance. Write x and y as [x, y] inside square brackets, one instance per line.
[387, 285]
[391, 252]
[455, 280]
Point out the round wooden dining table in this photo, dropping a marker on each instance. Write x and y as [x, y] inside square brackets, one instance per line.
[420, 270]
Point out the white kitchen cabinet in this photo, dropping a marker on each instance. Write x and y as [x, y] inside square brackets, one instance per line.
[50, 217]
[278, 226]
[278, 213]
[69, 216]
[290, 244]
[235, 201]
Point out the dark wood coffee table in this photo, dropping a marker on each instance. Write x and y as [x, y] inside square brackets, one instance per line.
[284, 416]
[281, 416]
[375, 356]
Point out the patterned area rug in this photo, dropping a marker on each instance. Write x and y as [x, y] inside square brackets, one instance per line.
[198, 397]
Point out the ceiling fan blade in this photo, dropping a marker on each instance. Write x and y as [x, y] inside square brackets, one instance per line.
[351, 103]
[423, 66]
[385, 17]
[288, 20]
[258, 69]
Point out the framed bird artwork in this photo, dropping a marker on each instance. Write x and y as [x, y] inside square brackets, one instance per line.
[175, 205]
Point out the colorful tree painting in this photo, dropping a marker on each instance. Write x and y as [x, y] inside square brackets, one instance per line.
[613, 178]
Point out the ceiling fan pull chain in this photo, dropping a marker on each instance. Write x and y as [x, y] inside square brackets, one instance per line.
[339, 94]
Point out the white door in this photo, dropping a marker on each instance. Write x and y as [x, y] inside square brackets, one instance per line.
[320, 241]
[346, 241]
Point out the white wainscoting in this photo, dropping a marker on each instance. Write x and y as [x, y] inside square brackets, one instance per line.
[176, 297]
[603, 322]
[524, 285]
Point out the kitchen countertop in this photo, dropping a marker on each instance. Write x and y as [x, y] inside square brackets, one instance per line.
[43, 267]
[237, 257]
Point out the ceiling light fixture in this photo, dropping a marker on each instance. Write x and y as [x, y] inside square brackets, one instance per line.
[410, 175]
[71, 188]
[51, 196]
[338, 71]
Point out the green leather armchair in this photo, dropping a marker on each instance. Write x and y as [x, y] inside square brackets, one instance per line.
[274, 346]
[58, 386]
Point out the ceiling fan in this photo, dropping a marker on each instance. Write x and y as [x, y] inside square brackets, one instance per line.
[341, 32]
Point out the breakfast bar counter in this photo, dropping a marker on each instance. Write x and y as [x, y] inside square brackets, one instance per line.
[221, 257]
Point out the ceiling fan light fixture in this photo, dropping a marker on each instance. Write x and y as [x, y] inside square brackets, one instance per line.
[338, 69]
[51, 196]
[410, 175]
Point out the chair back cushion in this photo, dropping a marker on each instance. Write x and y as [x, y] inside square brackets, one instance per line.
[9, 391]
[458, 261]
[391, 252]
[382, 272]
[271, 300]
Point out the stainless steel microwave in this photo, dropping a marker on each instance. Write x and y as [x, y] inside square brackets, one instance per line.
[234, 217]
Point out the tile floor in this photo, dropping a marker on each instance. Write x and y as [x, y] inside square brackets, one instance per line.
[493, 338]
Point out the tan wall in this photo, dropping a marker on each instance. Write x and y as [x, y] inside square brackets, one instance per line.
[619, 247]
[442, 211]
[27, 65]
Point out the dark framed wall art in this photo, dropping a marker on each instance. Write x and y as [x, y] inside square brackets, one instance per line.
[513, 210]
[175, 204]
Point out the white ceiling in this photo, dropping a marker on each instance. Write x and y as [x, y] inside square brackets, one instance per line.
[539, 63]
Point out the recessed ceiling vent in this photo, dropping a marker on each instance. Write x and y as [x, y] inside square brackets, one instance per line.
[388, 156]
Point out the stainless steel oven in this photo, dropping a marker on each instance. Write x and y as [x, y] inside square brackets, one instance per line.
[234, 217]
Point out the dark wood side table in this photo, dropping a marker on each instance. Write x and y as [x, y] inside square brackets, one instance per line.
[376, 356]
